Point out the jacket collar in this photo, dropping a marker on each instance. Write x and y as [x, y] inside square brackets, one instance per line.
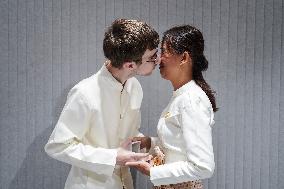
[106, 74]
[185, 88]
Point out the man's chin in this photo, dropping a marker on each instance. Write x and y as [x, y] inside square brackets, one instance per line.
[146, 74]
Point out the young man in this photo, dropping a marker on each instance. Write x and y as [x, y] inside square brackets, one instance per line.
[103, 111]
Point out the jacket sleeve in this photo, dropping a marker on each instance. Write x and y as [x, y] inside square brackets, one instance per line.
[135, 104]
[136, 125]
[65, 143]
[196, 131]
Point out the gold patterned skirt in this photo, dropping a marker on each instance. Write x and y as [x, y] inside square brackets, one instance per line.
[185, 185]
[159, 159]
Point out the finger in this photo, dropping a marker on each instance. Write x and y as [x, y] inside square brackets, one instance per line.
[133, 164]
[128, 141]
[148, 158]
[138, 163]
[134, 139]
[141, 155]
[125, 144]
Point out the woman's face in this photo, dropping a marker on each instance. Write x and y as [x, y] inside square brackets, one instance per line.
[170, 64]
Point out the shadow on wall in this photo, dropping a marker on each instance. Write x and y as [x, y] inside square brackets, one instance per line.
[38, 170]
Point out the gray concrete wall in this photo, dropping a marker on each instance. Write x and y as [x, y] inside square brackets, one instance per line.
[48, 46]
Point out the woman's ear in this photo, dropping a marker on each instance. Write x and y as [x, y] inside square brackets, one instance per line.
[185, 58]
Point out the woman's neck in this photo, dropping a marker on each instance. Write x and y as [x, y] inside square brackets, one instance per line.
[180, 81]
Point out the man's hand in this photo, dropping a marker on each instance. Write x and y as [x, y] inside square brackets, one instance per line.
[145, 142]
[142, 166]
[124, 156]
[126, 144]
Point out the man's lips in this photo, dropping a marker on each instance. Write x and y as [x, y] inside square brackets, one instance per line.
[161, 66]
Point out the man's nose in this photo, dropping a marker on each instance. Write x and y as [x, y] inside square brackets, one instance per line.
[158, 60]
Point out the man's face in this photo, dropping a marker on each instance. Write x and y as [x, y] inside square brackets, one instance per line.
[149, 61]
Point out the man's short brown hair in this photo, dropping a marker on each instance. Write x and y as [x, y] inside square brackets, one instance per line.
[127, 40]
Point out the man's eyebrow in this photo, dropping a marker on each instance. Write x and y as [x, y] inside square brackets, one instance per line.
[154, 53]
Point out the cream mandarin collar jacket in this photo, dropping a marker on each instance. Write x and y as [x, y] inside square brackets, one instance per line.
[99, 114]
[184, 134]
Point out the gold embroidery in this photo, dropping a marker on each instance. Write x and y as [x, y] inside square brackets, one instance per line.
[168, 114]
[159, 159]
[185, 185]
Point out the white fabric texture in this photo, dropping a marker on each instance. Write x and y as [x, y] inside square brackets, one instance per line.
[184, 135]
[99, 114]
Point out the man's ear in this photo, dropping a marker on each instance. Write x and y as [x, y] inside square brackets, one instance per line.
[185, 58]
[129, 65]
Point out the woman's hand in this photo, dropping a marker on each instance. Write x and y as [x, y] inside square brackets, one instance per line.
[145, 142]
[142, 166]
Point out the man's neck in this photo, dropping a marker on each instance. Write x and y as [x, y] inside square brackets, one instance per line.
[119, 74]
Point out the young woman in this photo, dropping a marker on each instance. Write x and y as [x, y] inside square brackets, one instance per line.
[184, 128]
